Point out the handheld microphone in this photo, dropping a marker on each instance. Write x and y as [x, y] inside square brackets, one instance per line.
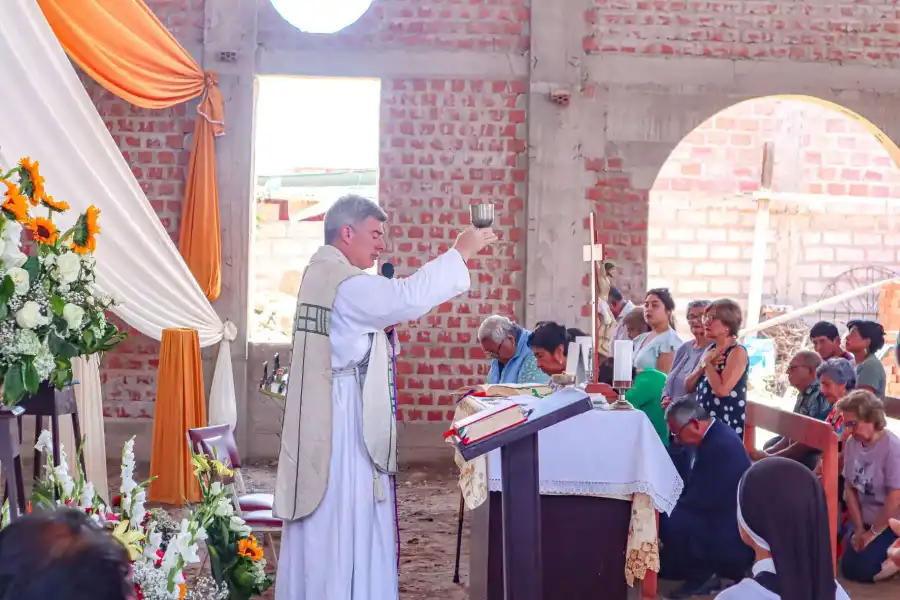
[387, 270]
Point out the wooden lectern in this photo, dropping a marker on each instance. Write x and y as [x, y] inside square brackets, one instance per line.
[520, 480]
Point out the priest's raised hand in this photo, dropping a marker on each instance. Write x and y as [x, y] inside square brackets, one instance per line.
[472, 241]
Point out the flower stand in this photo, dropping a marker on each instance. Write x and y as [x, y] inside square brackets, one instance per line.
[53, 403]
[10, 461]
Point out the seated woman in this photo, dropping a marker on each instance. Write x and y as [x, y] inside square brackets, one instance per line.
[549, 342]
[783, 517]
[872, 487]
[656, 349]
[722, 372]
[506, 343]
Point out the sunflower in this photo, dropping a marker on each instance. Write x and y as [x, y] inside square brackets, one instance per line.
[249, 547]
[34, 186]
[53, 205]
[42, 230]
[15, 205]
[84, 240]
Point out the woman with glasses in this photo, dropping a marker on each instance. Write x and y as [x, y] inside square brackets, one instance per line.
[872, 487]
[688, 356]
[723, 370]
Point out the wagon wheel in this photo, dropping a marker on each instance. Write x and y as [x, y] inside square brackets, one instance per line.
[864, 306]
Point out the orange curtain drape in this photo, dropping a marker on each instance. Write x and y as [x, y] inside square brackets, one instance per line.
[180, 406]
[127, 50]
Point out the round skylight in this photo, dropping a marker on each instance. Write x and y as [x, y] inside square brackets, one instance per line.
[321, 16]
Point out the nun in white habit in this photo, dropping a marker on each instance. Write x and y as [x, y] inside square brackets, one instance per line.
[783, 517]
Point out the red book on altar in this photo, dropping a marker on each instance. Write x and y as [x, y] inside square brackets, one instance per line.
[496, 417]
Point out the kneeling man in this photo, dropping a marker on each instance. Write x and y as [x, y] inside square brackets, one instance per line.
[700, 540]
[334, 487]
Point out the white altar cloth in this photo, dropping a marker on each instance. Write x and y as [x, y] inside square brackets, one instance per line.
[603, 453]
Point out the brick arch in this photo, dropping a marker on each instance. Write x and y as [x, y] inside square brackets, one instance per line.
[702, 213]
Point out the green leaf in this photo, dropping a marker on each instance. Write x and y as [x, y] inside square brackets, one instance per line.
[14, 383]
[33, 266]
[4, 310]
[61, 347]
[7, 289]
[88, 336]
[57, 305]
[32, 379]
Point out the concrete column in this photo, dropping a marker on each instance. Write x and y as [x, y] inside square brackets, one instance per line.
[230, 42]
[556, 206]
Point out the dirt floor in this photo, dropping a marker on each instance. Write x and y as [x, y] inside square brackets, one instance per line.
[429, 509]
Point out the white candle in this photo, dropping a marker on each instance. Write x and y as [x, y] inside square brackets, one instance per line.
[622, 353]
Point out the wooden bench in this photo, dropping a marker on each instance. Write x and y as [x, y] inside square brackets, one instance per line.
[810, 432]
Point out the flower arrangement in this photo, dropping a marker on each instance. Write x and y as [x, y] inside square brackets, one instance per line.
[50, 310]
[159, 547]
[235, 555]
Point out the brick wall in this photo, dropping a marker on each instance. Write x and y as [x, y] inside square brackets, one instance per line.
[849, 32]
[702, 215]
[446, 144]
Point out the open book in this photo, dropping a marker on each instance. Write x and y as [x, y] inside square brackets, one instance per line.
[505, 390]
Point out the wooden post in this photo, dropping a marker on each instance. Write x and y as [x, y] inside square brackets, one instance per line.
[760, 237]
[593, 253]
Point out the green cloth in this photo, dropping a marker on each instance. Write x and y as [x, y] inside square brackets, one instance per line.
[646, 395]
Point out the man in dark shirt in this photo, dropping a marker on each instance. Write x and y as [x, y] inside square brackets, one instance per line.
[811, 402]
[700, 540]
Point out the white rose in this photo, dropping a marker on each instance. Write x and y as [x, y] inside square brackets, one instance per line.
[12, 232]
[29, 316]
[74, 315]
[68, 267]
[20, 279]
[11, 255]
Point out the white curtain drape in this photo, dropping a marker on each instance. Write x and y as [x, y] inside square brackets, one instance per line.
[46, 114]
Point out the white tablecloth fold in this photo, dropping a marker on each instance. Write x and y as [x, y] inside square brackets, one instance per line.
[603, 453]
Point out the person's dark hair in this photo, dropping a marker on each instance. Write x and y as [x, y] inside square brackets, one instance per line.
[665, 296]
[614, 295]
[826, 330]
[549, 336]
[62, 554]
[869, 330]
[782, 509]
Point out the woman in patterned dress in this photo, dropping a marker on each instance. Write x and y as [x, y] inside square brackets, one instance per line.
[722, 386]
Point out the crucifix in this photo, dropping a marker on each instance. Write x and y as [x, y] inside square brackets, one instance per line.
[593, 253]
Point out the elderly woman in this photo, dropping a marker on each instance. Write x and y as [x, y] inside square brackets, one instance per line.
[872, 489]
[723, 370]
[506, 343]
[688, 356]
[550, 345]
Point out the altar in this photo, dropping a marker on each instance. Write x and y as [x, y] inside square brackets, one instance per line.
[603, 476]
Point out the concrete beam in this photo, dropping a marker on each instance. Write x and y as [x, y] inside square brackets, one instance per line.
[392, 63]
[231, 27]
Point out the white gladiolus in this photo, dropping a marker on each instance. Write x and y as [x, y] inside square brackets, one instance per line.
[216, 488]
[45, 442]
[224, 508]
[237, 525]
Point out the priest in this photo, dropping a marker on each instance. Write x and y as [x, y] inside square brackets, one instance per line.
[334, 488]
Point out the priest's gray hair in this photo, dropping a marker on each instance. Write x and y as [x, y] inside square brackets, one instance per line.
[684, 409]
[498, 328]
[350, 210]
